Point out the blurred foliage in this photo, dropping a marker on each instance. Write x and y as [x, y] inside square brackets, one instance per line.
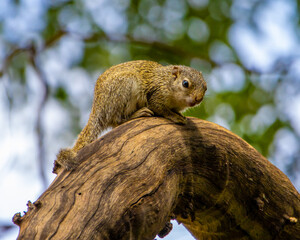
[198, 33]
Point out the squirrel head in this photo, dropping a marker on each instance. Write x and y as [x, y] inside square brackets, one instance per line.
[188, 87]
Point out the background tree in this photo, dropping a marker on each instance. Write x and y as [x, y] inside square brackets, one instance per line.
[53, 51]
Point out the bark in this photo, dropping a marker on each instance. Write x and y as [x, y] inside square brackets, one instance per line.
[137, 177]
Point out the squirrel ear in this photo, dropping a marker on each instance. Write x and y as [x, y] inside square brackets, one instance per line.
[176, 72]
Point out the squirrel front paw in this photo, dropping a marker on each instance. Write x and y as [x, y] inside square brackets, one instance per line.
[66, 159]
[177, 118]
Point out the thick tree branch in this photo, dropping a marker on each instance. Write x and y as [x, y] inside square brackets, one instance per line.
[135, 178]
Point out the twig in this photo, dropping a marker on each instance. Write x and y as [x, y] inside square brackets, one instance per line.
[39, 121]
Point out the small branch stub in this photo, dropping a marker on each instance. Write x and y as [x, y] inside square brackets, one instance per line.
[17, 219]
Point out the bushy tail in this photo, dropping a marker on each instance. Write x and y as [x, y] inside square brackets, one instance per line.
[66, 158]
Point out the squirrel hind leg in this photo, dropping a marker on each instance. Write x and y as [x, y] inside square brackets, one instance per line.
[142, 112]
[66, 159]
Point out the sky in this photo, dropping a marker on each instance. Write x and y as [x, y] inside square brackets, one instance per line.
[19, 176]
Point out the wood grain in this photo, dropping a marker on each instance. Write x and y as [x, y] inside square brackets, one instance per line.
[134, 179]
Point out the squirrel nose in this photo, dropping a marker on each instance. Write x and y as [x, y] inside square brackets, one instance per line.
[199, 98]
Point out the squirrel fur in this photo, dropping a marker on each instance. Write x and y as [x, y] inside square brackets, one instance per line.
[137, 89]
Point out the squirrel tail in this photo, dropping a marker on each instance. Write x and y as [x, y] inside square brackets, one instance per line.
[65, 158]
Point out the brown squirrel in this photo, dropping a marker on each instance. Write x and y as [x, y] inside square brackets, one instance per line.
[137, 89]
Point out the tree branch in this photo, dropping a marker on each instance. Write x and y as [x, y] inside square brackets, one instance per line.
[135, 178]
[39, 128]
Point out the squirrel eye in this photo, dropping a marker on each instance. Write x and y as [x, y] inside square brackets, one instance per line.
[185, 83]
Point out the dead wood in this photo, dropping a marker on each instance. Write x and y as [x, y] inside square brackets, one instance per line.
[137, 177]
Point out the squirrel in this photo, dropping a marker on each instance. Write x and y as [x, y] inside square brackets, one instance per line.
[137, 89]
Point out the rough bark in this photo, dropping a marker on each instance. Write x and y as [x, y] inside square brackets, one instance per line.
[135, 178]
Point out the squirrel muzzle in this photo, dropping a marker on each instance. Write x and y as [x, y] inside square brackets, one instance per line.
[195, 100]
